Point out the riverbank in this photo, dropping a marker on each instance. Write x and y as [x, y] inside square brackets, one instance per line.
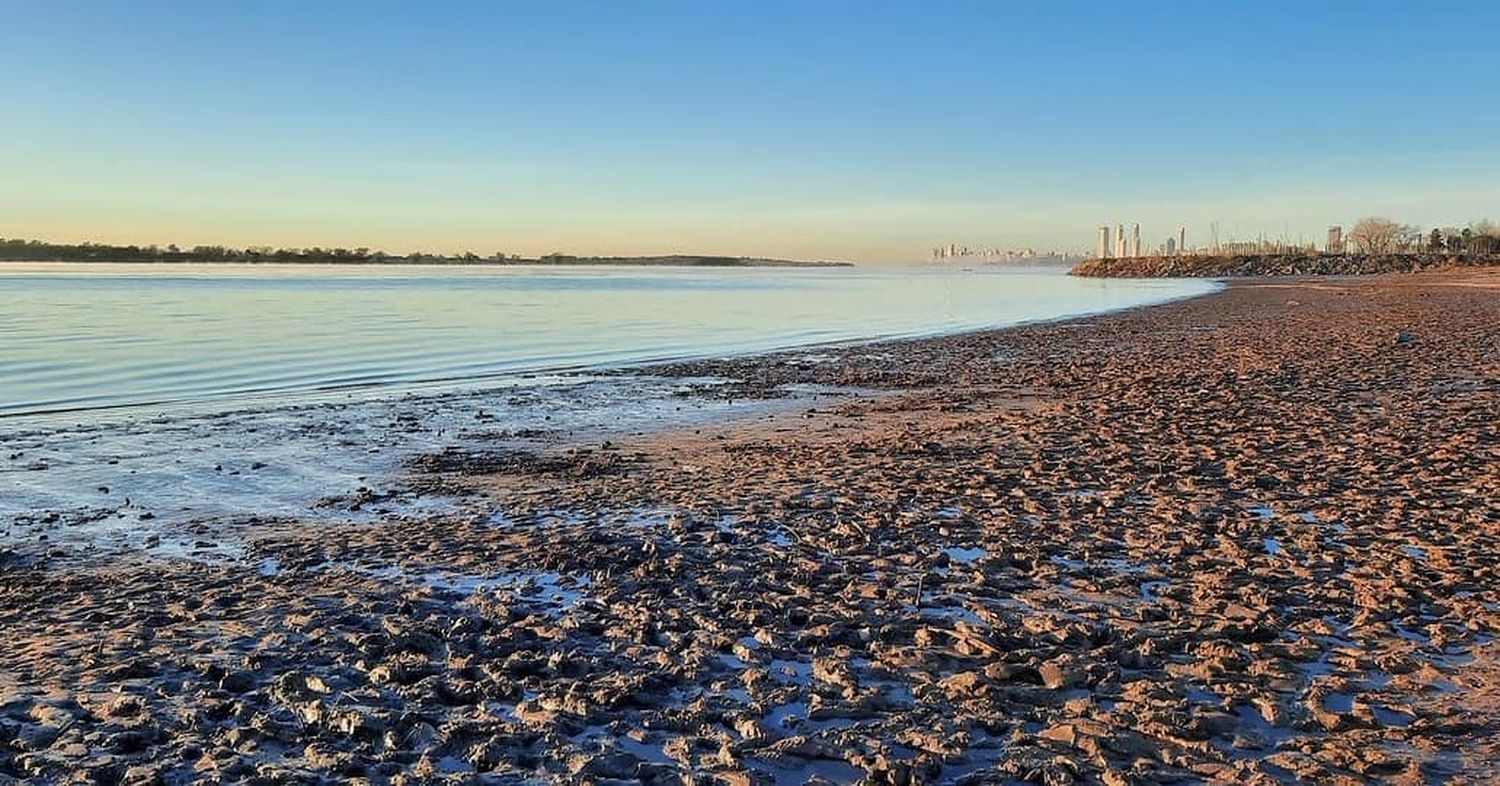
[1245, 536]
[1260, 265]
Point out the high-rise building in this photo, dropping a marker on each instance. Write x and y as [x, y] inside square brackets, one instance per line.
[1182, 240]
[1135, 240]
[1171, 246]
[1335, 240]
[1120, 248]
[1104, 242]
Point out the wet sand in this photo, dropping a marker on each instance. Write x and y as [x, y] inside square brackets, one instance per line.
[1247, 537]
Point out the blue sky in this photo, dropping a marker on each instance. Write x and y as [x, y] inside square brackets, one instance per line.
[863, 130]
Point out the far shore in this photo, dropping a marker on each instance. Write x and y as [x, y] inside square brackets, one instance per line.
[665, 261]
[39, 251]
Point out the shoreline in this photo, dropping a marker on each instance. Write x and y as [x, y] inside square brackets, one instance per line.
[1284, 263]
[1179, 541]
[667, 261]
[268, 399]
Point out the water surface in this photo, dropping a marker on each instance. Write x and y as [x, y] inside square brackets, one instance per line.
[75, 336]
[166, 409]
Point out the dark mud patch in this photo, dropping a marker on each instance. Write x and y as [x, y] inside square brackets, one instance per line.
[578, 463]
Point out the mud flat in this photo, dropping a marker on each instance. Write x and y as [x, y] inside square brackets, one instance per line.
[1249, 537]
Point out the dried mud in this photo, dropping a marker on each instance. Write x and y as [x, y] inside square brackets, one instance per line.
[1249, 537]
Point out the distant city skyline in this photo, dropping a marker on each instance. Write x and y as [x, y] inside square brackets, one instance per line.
[835, 130]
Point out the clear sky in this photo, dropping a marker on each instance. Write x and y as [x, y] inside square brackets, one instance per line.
[851, 129]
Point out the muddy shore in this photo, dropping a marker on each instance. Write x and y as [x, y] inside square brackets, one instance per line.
[1249, 537]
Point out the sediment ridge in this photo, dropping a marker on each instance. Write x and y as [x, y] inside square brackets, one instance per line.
[1245, 538]
[1252, 265]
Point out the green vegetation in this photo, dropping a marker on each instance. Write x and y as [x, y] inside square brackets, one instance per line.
[15, 250]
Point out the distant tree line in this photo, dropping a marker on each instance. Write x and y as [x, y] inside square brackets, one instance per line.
[39, 251]
[1377, 235]
[13, 250]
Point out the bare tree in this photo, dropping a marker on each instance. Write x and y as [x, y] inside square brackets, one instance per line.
[1483, 237]
[1411, 238]
[1453, 241]
[1376, 235]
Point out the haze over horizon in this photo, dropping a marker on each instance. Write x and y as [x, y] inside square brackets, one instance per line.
[835, 130]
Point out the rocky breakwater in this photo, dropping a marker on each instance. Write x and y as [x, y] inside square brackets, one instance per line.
[1251, 265]
[1245, 538]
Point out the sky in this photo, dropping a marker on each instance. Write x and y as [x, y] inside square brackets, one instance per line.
[830, 129]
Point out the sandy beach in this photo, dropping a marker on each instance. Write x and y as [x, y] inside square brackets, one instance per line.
[1248, 537]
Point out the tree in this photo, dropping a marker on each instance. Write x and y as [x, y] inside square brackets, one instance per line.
[1453, 242]
[1376, 235]
[1435, 240]
[1482, 237]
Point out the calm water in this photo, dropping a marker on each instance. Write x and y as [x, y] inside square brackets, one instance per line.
[90, 336]
[158, 410]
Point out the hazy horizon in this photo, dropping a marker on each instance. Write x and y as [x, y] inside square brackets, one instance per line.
[839, 130]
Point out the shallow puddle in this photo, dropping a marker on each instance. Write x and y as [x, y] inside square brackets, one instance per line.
[558, 591]
[965, 556]
[1416, 553]
[796, 772]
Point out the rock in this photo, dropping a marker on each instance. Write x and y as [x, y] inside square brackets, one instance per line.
[834, 671]
[742, 778]
[237, 682]
[1003, 672]
[144, 775]
[419, 737]
[124, 705]
[806, 748]
[1059, 674]
[1271, 710]
[616, 765]
[964, 685]
[1235, 611]
[36, 737]
[487, 755]
[356, 723]
[1065, 733]
[884, 771]
[749, 728]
